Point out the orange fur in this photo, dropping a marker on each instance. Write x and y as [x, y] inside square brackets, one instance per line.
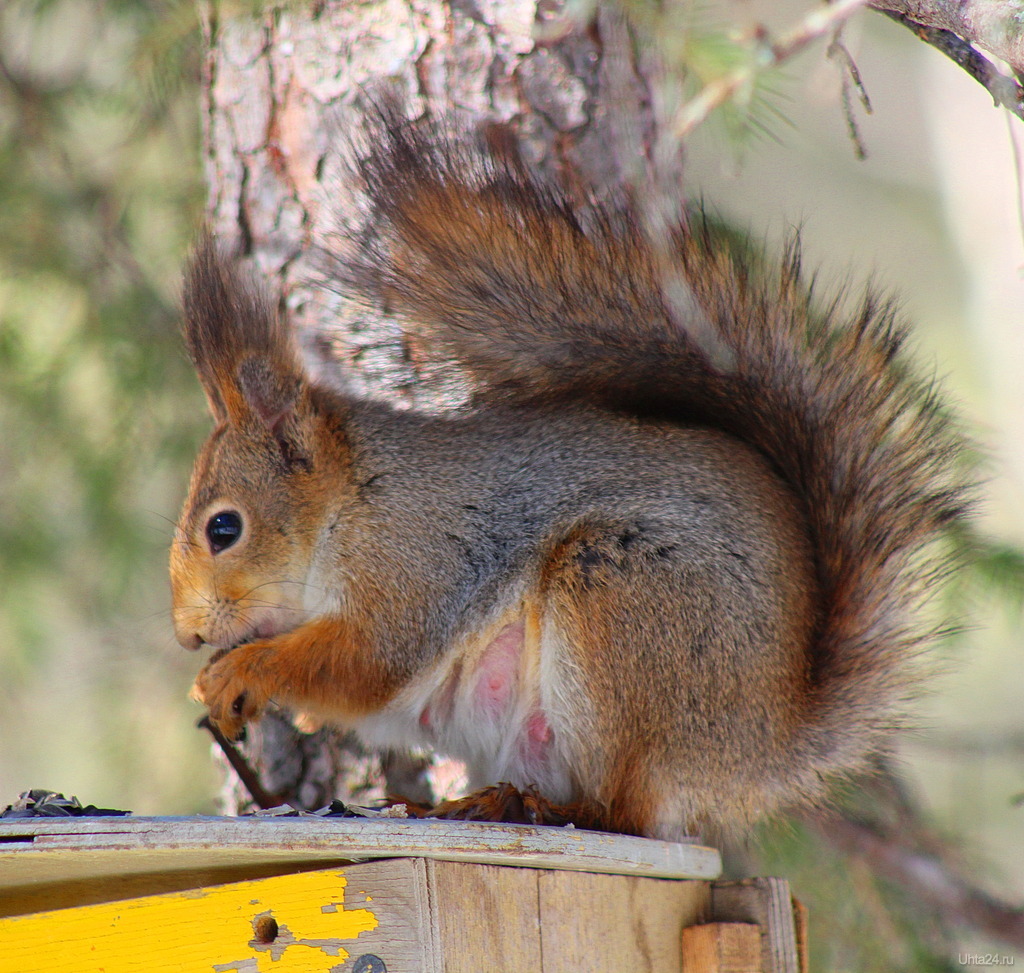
[301, 668]
[668, 565]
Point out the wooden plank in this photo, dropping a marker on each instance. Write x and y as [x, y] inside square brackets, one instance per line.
[376, 915]
[610, 923]
[486, 917]
[722, 947]
[100, 881]
[768, 903]
[800, 920]
[404, 941]
[309, 927]
[402, 915]
[39, 851]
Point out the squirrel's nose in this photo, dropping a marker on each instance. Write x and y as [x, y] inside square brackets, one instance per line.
[190, 642]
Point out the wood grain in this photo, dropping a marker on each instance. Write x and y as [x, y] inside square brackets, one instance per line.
[722, 947]
[767, 902]
[36, 852]
[616, 922]
[402, 915]
[487, 917]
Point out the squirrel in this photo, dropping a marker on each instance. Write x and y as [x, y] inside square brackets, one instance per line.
[669, 563]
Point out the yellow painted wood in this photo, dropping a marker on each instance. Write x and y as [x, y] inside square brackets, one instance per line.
[198, 930]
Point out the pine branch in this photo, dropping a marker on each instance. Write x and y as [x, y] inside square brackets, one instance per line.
[768, 53]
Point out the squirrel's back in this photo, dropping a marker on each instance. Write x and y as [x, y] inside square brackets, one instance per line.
[543, 301]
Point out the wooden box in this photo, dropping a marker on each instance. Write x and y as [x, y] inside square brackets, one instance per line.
[289, 895]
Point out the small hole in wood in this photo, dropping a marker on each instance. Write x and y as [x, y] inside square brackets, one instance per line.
[264, 929]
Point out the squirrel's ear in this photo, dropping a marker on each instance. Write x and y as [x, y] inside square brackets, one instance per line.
[244, 353]
[214, 403]
[269, 393]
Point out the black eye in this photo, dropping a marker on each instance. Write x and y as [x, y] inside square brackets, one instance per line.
[223, 529]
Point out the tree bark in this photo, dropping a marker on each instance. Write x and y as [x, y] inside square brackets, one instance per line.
[283, 94]
[996, 26]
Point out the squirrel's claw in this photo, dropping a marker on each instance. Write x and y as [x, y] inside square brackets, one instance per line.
[231, 690]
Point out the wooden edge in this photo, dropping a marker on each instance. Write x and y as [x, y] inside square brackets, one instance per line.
[800, 923]
[722, 947]
[24, 840]
[767, 902]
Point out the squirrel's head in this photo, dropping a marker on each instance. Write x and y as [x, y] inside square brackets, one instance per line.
[246, 540]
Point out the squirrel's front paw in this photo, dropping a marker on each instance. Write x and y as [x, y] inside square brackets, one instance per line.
[231, 687]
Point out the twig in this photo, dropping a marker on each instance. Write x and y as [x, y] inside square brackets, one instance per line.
[927, 876]
[851, 81]
[1004, 90]
[1018, 173]
[263, 799]
[992, 25]
[768, 53]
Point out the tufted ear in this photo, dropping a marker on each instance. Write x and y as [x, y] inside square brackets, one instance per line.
[270, 394]
[244, 353]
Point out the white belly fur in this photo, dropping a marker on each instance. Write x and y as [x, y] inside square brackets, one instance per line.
[486, 704]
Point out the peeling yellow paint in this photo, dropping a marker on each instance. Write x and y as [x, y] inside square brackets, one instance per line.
[201, 929]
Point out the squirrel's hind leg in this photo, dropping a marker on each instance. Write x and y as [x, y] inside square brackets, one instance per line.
[508, 804]
[679, 674]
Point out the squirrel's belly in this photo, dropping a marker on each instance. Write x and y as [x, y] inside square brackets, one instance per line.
[489, 712]
[483, 706]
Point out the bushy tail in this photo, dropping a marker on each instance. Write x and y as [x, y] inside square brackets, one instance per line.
[540, 299]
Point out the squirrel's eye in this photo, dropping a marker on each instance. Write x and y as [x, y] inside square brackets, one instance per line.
[223, 529]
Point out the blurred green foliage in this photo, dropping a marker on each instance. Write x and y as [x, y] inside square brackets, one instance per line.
[100, 191]
[700, 46]
[100, 414]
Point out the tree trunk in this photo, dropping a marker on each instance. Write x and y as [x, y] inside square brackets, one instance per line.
[284, 92]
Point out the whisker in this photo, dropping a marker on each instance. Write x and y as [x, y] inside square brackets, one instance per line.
[156, 513]
[178, 538]
[160, 516]
[195, 608]
[271, 604]
[283, 581]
